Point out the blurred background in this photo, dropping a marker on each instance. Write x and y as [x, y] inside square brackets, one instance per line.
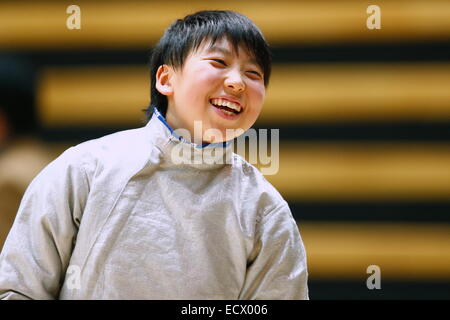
[364, 119]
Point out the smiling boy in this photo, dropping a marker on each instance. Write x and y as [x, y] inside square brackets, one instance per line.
[214, 79]
[118, 218]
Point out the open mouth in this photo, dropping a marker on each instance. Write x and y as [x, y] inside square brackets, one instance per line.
[226, 107]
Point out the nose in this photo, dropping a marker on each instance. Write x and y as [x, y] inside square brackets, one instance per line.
[234, 82]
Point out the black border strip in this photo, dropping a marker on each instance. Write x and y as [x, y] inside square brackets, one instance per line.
[343, 52]
[431, 212]
[390, 290]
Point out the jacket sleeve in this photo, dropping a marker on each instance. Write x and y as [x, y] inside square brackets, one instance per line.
[37, 250]
[277, 268]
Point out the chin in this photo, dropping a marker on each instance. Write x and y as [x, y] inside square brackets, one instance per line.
[217, 135]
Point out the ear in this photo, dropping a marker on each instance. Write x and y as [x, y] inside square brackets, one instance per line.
[163, 77]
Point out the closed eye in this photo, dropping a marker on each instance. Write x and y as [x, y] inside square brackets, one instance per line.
[255, 73]
[219, 61]
[222, 62]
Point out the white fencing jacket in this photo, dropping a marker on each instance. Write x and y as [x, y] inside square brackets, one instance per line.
[118, 218]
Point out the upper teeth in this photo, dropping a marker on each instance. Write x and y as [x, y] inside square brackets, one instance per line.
[226, 103]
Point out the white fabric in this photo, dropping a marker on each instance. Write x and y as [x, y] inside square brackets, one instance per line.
[116, 218]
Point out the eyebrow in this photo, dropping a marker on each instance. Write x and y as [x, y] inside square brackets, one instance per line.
[227, 52]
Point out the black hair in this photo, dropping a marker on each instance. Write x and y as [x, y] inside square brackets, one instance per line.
[187, 34]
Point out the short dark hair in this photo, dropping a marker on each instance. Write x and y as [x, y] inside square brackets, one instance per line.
[188, 33]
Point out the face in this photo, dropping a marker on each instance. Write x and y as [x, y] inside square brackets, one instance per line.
[217, 86]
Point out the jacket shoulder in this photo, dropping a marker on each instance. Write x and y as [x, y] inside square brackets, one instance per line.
[113, 144]
[255, 183]
[117, 149]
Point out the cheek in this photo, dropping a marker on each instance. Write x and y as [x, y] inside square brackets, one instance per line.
[257, 95]
[205, 75]
[202, 82]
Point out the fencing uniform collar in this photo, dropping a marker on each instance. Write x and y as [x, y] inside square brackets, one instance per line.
[179, 151]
